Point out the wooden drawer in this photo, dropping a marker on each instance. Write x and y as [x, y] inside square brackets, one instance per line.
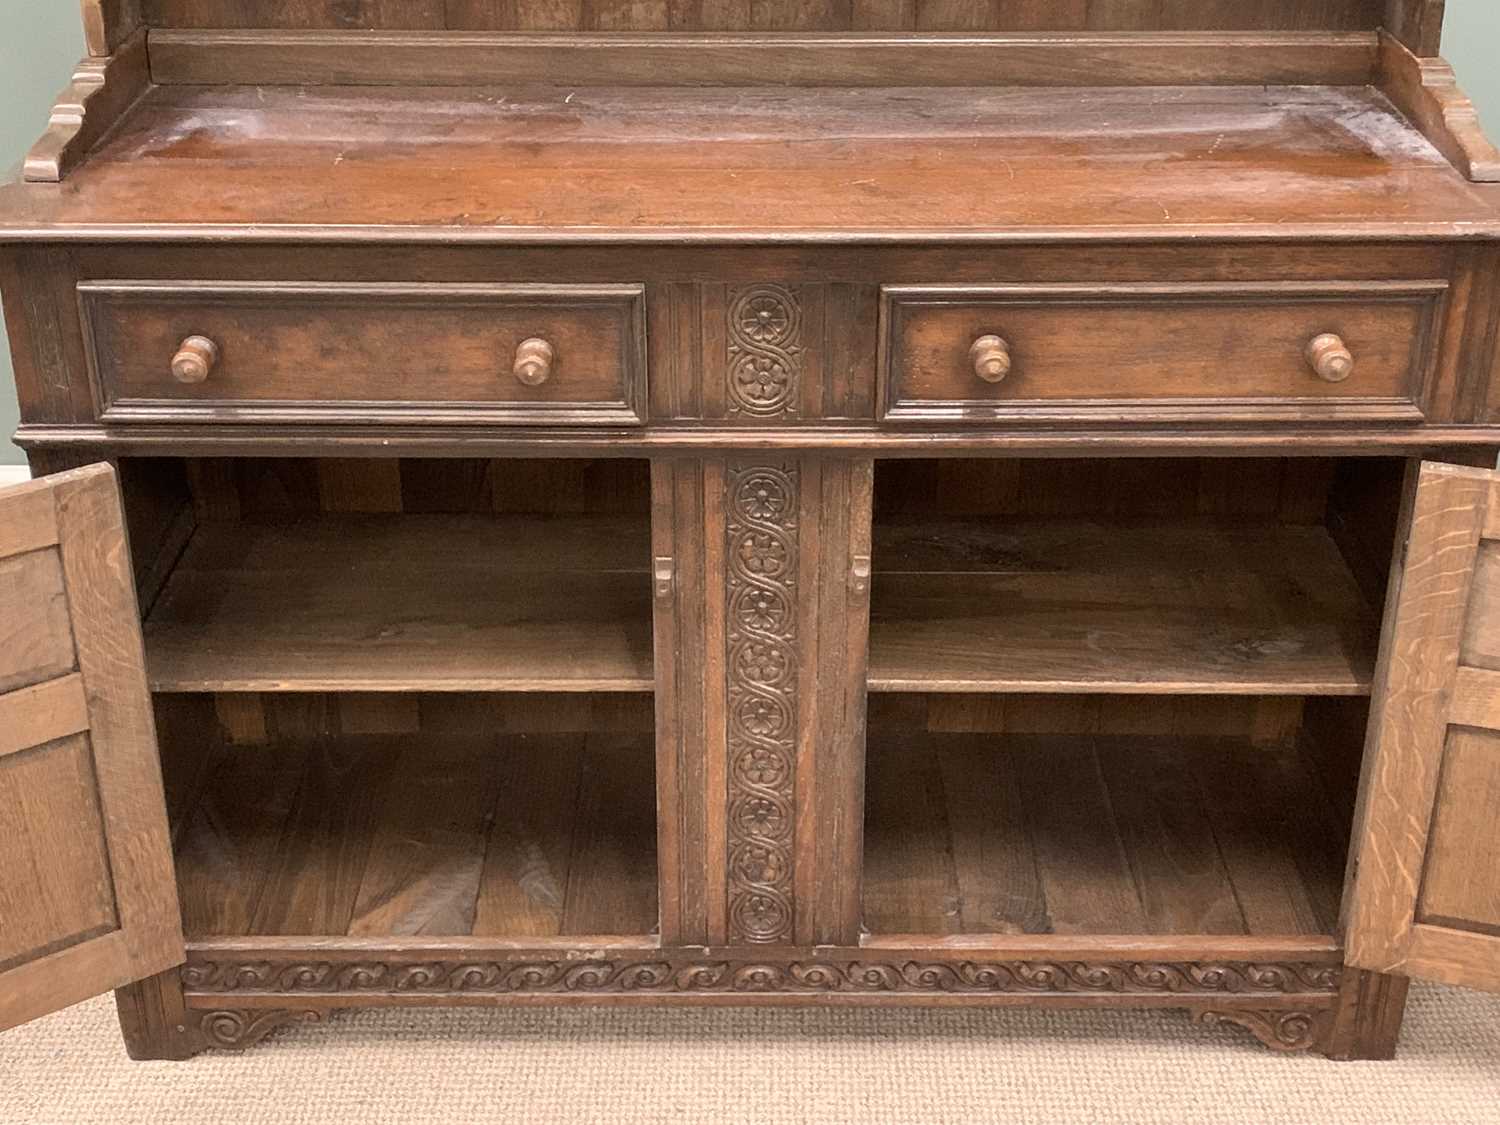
[1190, 352]
[314, 352]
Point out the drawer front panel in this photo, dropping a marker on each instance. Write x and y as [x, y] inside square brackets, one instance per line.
[507, 354]
[1158, 352]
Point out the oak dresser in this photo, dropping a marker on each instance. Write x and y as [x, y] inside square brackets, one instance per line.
[795, 502]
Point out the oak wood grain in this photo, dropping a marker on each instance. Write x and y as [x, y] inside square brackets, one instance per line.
[55, 886]
[1461, 957]
[1476, 698]
[1462, 883]
[35, 624]
[30, 519]
[103, 609]
[44, 712]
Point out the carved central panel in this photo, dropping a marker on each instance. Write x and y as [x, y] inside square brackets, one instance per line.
[765, 351]
[762, 547]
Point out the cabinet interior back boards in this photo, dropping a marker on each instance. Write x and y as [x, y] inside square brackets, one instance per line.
[830, 502]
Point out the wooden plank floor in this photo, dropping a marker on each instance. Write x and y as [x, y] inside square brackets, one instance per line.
[1096, 835]
[408, 603]
[516, 836]
[1009, 605]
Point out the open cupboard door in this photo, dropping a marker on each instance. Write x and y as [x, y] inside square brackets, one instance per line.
[88, 901]
[1425, 896]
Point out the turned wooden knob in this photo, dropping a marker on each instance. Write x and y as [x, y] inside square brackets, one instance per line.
[195, 359]
[534, 359]
[991, 358]
[1330, 357]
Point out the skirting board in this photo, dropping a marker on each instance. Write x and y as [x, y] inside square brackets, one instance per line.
[13, 474]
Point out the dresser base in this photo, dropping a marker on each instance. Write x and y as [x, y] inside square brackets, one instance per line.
[233, 998]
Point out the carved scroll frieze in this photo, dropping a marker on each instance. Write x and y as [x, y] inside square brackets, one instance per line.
[765, 351]
[668, 974]
[761, 640]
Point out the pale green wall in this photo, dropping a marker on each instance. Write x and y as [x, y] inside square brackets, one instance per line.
[1471, 41]
[40, 41]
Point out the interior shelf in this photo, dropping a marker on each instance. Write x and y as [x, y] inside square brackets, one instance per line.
[1051, 605]
[1097, 835]
[542, 836]
[407, 603]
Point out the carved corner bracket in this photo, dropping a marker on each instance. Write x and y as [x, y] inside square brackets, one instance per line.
[100, 93]
[1293, 1029]
[1426, 91]
[237, 1029]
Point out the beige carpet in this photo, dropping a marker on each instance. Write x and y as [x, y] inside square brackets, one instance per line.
[756, 1066]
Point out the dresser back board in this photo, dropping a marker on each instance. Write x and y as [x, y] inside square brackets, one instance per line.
[1416, 22]
[772, 15]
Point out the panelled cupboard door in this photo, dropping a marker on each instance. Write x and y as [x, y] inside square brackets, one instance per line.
[88, 901]
[1425, 897]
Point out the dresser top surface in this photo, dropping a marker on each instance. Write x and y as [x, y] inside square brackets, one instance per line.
[774, 164]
